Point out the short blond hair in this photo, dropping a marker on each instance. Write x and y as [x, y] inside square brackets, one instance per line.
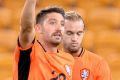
[73, 16]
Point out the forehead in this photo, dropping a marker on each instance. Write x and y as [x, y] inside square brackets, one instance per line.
[74, 25]
[54, 16]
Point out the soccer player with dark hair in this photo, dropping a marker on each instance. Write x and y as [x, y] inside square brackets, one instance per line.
[40, 59]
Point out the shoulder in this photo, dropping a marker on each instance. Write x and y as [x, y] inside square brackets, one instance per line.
[96, 58]
[33, 46]
[101, 66]
[93, 56]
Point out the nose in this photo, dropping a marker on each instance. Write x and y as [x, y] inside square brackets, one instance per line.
[59, 27]
[74, 38]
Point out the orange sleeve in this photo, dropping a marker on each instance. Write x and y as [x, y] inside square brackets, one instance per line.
[103, 71]
[17, 52]
[19, 46]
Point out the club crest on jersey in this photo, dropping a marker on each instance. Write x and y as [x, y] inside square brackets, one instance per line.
[68, 70]
[84, 73]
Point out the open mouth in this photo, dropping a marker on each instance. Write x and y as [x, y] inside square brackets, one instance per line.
[58, 34]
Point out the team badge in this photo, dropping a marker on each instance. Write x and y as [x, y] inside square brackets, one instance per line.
[84, 74]
[68, 70]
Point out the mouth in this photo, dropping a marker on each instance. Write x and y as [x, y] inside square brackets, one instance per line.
[58, 34]
[74, 44]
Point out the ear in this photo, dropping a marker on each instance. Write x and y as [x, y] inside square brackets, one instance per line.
[38, 28]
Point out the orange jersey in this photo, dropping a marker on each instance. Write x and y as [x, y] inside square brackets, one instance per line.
[35, 63]
[90, 66]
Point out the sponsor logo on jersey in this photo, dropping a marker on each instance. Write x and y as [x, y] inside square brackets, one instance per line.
[84, 73]
[68, 70]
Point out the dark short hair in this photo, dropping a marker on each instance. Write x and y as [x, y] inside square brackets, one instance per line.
[40, 16]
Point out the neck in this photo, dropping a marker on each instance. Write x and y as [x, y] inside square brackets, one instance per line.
[75, 54]
[47, 46]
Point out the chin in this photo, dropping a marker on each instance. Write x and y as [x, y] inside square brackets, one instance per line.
[73, 50]
[56, 43]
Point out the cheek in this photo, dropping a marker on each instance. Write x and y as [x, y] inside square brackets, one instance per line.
[66, 39]
[48, 31]
[80, 39]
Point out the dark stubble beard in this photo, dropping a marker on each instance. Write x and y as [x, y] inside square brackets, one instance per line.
[73, 50]
[55, 44]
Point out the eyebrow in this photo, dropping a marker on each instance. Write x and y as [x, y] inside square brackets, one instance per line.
[52, 19]
[77, 31]
[81, 31]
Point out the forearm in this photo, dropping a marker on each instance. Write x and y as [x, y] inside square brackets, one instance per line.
[27, 23]
[28, 15]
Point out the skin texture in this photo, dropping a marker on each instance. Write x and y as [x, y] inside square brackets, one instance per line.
[27, 23]
[49, 32]
[73, 35]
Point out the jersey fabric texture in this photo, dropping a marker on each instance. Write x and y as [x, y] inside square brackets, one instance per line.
[34, 63]
[89, 66]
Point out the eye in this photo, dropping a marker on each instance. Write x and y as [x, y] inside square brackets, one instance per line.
[52, 22]
[79, 33]
[62, 23]
[69, 33]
